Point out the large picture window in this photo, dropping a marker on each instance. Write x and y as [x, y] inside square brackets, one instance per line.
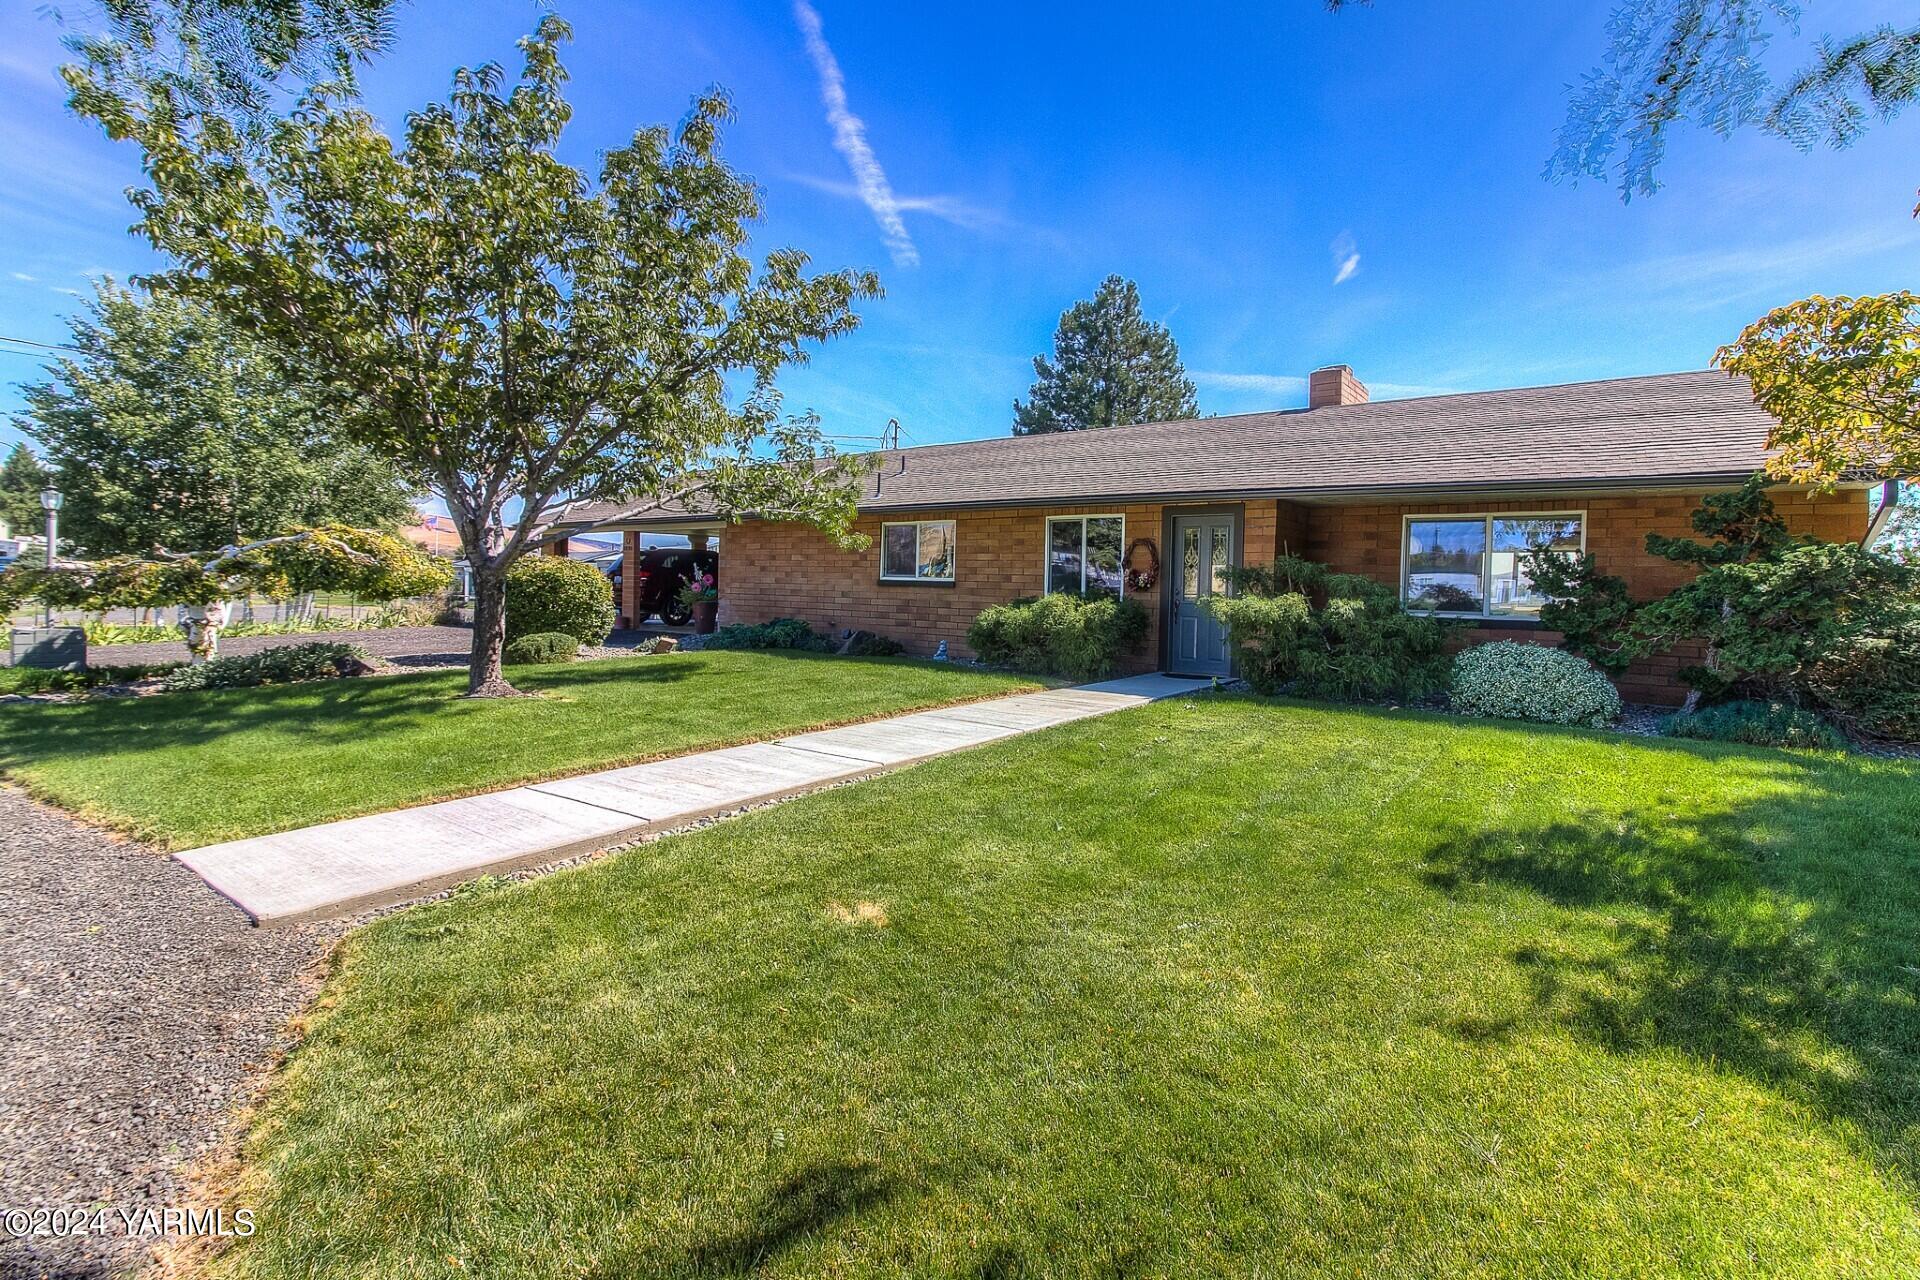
[1476, 566]
[919, 551]
[1083, 553]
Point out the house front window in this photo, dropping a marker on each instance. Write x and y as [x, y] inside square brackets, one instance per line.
[917, 551]
[1083, 553]
[1476, 566]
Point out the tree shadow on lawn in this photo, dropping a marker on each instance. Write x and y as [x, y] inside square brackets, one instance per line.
[798, 1206]
[357, 710]
[1778, 938]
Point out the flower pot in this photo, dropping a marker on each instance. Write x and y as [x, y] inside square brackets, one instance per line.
[705, 616]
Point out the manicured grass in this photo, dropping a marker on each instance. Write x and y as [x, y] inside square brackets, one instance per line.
[191, 769]
[1209, 988]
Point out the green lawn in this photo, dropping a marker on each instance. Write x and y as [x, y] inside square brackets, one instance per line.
[194, 768]
[1209, 988]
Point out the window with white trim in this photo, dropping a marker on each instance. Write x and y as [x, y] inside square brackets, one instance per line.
[917, 551]
[1476, 566]
[1083, 553]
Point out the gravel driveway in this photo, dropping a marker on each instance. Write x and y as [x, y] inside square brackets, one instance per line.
[410, 646]
[402, 646]
[136, 1006]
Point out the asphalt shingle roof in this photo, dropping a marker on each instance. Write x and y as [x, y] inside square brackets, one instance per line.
[1670, 428]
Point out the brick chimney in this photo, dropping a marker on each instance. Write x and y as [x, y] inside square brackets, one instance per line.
[1334, 385]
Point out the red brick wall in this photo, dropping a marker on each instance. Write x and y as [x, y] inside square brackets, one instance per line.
[1366, 539]
[784, 570]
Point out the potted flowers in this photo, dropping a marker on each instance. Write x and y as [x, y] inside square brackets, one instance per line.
[701, 597]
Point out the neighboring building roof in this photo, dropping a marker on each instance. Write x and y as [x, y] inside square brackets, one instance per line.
[1671, 429]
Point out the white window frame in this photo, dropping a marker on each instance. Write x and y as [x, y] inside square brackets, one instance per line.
[1487, 518]
[953, 570]
[1046, 549]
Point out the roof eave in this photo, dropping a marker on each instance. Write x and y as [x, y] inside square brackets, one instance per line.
[1324, 493]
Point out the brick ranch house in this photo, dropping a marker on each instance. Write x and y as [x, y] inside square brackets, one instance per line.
[1435, 496]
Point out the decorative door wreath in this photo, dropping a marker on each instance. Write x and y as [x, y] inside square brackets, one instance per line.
[1142, 579]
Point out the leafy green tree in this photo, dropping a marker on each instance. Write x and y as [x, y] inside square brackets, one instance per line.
[235, 58]
[512, 330]
[1110, 366]
[173, 427]
[22, 477]
[334, 558]
[1703, 62]
[1842, 378]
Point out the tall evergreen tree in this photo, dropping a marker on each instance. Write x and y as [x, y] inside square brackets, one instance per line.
[21, 480]
[1111, 366]
[172, 428]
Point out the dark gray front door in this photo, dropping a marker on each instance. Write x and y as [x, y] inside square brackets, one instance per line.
[1202, 554]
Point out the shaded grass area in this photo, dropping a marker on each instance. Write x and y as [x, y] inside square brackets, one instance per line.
[192, 769]
[1215, 987]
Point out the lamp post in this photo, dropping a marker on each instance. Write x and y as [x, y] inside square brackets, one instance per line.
[50, 500]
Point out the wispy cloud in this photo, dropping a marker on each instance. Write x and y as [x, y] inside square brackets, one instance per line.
[22, 276]
[955, 209]
[1346, 257]
[1713, 277]
[850, 139]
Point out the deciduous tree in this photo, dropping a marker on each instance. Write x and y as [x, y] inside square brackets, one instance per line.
[334, 558]
[1703, 62]
[510, 328]
[22, 477]
[1110, 366]
[172, 427]
[1842, 377]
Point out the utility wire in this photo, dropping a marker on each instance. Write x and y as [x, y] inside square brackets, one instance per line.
[45, 346]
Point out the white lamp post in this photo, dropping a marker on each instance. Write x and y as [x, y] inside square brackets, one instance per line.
[50, 500]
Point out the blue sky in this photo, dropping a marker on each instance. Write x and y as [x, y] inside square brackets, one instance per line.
[1290, 188]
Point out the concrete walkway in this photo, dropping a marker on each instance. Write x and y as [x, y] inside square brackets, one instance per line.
[388, 857]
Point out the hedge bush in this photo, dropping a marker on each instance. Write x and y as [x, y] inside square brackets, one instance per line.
[1358, 643]
[865, 644]
[1078, 637]
[1513, 681]
[1873, 685]
[317, 660]
[1760, 724]
[541, 646]
[24, 680]
[551, 593]
[780, 633]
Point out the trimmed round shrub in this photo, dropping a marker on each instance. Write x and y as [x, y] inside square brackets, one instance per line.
[550, 593]
[1759, 724]
[541, 646]
[1513, 681]
[1079, 637]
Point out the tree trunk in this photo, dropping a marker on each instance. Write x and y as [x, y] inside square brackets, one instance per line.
[484, 679]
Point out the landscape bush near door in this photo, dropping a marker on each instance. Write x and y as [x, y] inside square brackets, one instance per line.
[549, 593]
[1297, 627]
[1079, 637]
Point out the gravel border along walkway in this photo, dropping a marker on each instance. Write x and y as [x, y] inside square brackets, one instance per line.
[138, 1011]
[136, 1007]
